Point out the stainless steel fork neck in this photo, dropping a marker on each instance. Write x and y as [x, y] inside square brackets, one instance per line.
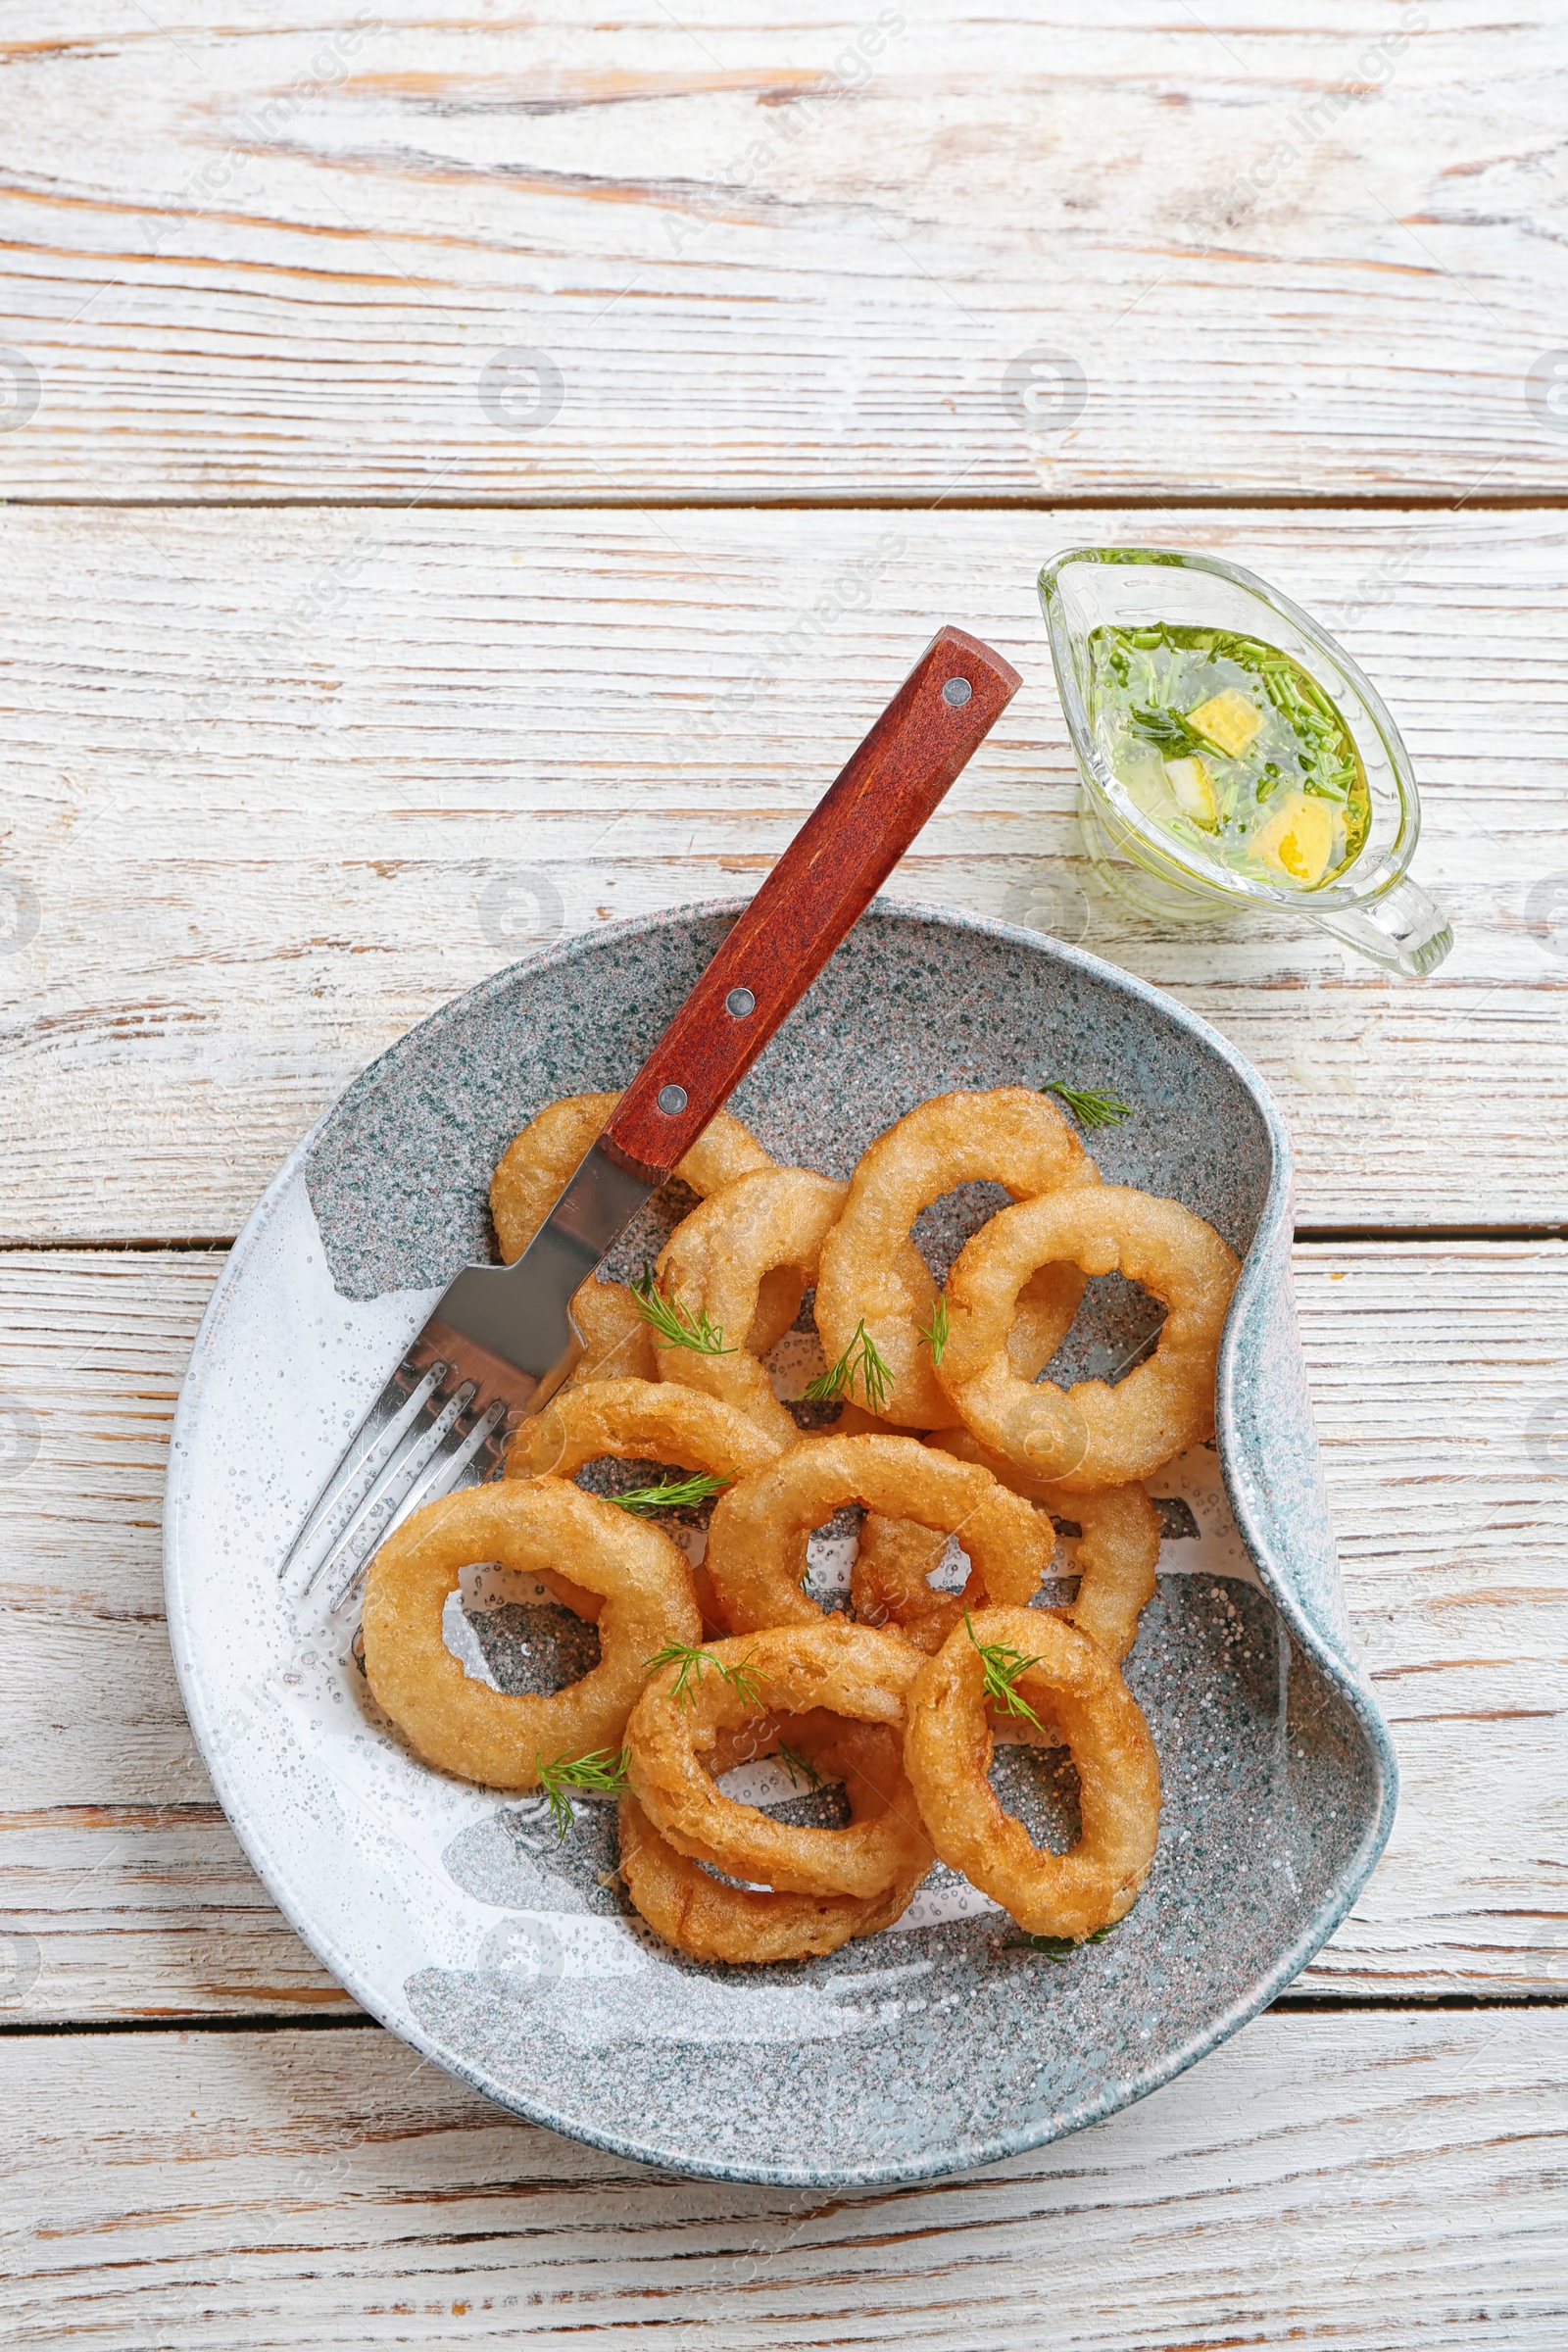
[598, 1204]
[495, 1322]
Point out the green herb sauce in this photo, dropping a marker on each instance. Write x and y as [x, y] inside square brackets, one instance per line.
[1232, 748]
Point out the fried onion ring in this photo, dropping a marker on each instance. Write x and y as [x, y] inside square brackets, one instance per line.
[871, 1271]
[1163, 1405]
[757, 1527]
[528, 1181]
[705, 1917]
[458, 1723]
[890, 1582]
[1117, 1564]
[617, 1343]
[717, 1261]
[533, 1170]
[947, 1750]
[636, 1421]
[673, 1732]
[1118, 1554]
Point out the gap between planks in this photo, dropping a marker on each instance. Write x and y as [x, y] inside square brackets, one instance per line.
[1412, 501]
[360, 2021]
[131, 1245]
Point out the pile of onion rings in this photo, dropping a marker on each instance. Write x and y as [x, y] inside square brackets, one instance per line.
[932, 1418]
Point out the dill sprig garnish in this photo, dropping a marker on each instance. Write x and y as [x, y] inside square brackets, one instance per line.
[1090, 1106]
[1059, 1947]
[673, 1322]
[938, 1331]
[740, 1677]
[860, 1362]
[795, 1763]
[1169, 731]
[669, 1494]
[1002, 1666]
[603, 1772]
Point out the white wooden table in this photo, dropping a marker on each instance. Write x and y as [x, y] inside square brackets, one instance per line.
[341, 653]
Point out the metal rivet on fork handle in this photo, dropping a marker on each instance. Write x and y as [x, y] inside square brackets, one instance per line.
[671, 1098]
[957, 692]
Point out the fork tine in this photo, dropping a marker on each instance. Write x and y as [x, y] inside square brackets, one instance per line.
[383, 1468]
[478, 1450]
[402, 1468]
[462, 1458]
[372, 1441]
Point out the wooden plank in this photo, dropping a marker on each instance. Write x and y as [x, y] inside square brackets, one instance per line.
[125, 1895]
[287, 782]
[1371, 2181]
[258, 259]
[1437, 1380]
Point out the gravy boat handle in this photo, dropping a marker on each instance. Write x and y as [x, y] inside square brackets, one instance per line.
[1404, 930]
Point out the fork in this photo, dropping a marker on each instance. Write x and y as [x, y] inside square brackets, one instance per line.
[501, 1339]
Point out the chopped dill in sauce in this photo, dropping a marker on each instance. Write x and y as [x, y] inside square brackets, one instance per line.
[1231, 747]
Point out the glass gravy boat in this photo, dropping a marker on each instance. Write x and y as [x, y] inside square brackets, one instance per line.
[1372, 904]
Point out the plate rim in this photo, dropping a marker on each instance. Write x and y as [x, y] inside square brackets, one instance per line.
[1115, 2093]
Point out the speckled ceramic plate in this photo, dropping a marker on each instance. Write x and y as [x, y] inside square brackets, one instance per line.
[456, 1917]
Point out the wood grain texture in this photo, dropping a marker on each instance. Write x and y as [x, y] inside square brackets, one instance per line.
[1277, 249]
[279, 785]
[1430, 1365]
[1364, 2182]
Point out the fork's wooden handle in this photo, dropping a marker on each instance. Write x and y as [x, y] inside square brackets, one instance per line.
[840, 857]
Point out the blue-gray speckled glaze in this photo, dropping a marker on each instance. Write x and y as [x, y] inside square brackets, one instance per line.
[944, 2047]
